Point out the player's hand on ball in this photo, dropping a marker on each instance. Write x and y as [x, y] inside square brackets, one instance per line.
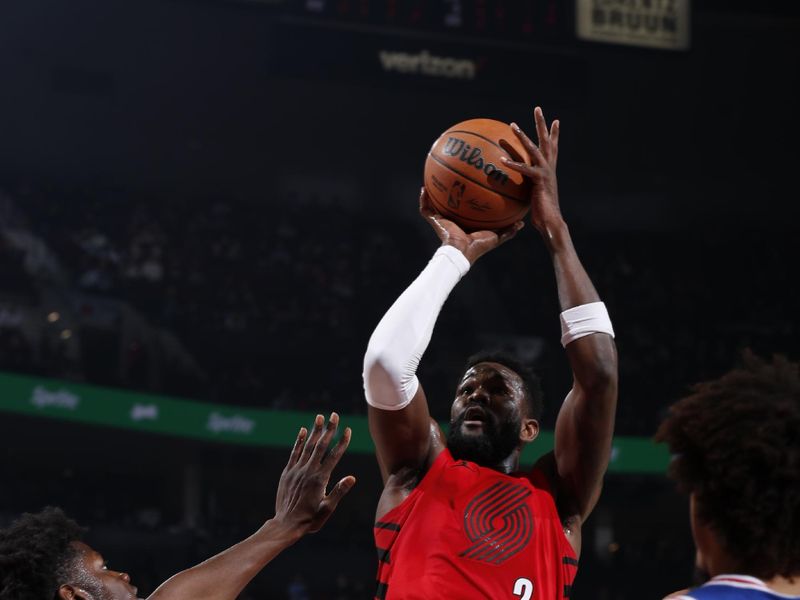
[545, 209]
[472, 245]
[302, 504]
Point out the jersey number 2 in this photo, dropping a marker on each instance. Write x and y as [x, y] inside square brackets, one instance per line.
[523, 588]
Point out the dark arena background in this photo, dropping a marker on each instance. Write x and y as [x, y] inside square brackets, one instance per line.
[207, 205]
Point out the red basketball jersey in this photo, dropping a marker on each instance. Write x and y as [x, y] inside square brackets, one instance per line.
[467, 532]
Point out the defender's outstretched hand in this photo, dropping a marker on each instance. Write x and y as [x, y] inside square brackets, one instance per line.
[301, 507]
[302, 504]
[472, 245]
[545, 210]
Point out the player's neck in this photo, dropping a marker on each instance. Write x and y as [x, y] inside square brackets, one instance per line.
[789, 586]
[718, 562]
[785, 585]
[508, 465]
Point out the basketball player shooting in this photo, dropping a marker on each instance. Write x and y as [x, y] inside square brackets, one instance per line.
[457, 519]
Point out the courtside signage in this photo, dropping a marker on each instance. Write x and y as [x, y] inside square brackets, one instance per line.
[233, 424]
[62, 399]
[148, 413]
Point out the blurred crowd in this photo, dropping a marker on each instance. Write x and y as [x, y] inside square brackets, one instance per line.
[684, 305]
[271, 304]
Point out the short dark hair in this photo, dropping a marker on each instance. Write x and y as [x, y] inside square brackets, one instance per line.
[735, 445]
[531, 382]
[36, 554]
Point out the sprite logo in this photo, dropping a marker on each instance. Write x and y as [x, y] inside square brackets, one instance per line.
[234, 424]
[43, 398]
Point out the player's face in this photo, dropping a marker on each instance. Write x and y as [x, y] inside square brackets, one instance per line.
[95, 581]
[487, 414]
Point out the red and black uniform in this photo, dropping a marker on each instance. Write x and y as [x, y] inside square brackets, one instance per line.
[468, 531]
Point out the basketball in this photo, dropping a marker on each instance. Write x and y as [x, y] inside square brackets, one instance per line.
[466, 180]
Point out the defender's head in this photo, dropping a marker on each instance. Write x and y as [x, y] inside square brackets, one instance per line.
[736, 451]
[43, 557]
[496, 410]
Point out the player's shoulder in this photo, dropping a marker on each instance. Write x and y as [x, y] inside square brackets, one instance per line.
[723, 593]
[700, 594]
[544, 474]
[707, 593]
[731, 587]
[401, 487]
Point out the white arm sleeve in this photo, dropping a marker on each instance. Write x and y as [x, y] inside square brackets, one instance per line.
[401, 337]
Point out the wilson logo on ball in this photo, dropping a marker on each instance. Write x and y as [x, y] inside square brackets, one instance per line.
[460, 149]
[467, 181]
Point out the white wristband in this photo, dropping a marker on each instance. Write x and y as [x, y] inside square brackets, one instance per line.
[583, 320]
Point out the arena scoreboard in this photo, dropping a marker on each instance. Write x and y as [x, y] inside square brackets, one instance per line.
[527, 21]
[481, 45]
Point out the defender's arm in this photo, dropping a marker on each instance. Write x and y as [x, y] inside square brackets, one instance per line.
[302, 506]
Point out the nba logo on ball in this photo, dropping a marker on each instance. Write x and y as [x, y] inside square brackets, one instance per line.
[468, 183]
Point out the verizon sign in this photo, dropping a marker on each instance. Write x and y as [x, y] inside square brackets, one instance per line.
[649, 23]
[427, 64]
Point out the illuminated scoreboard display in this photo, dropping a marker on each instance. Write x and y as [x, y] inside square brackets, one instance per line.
[533, 21]
[480, 45]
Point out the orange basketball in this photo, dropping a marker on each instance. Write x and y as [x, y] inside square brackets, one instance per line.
[466, 180]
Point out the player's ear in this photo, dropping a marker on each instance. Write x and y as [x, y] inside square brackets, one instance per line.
[71, 592]
[66, 592]
[529, 430]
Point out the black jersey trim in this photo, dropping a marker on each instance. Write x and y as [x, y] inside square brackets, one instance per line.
[383, 555]
[383, 589]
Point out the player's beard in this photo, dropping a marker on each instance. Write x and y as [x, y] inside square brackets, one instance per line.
[94, 587]
[77, 573]
[488, 448]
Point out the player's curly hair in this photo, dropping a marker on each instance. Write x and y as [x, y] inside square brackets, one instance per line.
[36, 555]
[531, 381]
[735, 443]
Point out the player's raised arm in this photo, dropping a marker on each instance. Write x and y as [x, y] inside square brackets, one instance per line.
[406, 438]
[585, 422]
[302, 506]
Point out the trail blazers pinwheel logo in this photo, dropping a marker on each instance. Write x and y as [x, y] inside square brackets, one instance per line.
[499, 523]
